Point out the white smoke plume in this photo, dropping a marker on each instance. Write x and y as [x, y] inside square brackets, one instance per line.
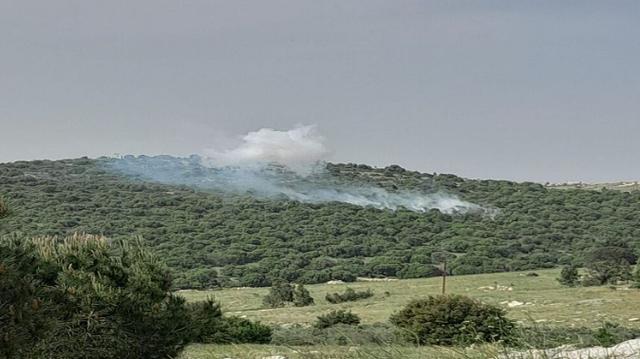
[281, 164]
[299, 149]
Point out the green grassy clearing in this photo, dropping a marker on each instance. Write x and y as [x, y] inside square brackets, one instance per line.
[546, 300]
[200, 351]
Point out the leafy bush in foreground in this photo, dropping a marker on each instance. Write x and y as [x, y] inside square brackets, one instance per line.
[453, 320]
[25, 308]
[208, 325]
[336, 317]
[349, 295]
[97, 299]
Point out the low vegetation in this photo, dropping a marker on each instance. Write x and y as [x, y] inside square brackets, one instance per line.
[85, 296]
[336, 317]
[282, 294]
[453, 320]
[349, 295]
[4, 208]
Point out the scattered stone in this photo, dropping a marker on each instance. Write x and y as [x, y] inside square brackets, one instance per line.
[335, 282]
[634, 319]
[514, 303]
[275, 357]
[628, 350]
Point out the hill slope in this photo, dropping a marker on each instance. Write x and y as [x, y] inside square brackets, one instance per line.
[209, 237]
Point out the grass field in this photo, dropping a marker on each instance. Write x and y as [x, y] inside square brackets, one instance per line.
[202, 351]
[545, 301]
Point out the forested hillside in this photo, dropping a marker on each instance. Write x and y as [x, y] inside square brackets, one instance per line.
[209, 238]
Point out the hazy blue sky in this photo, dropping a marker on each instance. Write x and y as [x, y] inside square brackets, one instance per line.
[537, 90]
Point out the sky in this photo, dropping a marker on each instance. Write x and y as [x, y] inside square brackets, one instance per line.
[521, 90]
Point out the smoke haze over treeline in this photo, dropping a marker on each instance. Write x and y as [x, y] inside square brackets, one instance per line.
[280, 164]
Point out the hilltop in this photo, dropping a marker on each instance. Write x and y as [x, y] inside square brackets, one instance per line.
[212, 238]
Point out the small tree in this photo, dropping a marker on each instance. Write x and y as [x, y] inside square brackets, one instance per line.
[101, 298]
[208, 325]
[453, 320]
[4, 209]
[608, 265]
[279, 294]
[636, 277]
[335, 317]
[301, 296]
[569, 276]
[349, 295]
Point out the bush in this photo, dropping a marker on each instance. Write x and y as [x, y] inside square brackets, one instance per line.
[349, 295]
[339, 334]
[282, 294]
[453, 320]
[301, 296]
[569, 276]
[636, 277]
[237, 330]
[4, 209]
[208, 325]
[607, 272]
[102, 299]
[26, 312]
[279, 294]
[336, 317]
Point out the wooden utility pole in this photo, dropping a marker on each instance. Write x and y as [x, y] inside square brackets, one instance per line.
[444, 276]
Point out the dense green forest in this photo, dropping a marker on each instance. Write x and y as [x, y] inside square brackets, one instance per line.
[209, 238]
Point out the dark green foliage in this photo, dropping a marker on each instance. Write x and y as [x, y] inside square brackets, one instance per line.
[206, 319]
[569, 276]
[608, 265]
[282, 293]
[301, 296]
[339, 334]
[209, 326]
[253, 241]
[335, 317]
[239, 330]
[26, 309]
[608, 334]
[4, 209]
[349, 295]
[453, 320]
[636, 277]
[279, 295]
[101, 299]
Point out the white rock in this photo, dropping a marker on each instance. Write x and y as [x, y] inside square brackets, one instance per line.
[514, 303]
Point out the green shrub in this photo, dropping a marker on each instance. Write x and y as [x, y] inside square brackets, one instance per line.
[279, 294]
[349, 295]
[336, 317]
[452, 320]
[301, 296]
[339, 334]
[26, 312]
[208, 325]
[4, 209]
[636, 277]
[282, 294]
[569, 276]
[240, 330]
[102, 299]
